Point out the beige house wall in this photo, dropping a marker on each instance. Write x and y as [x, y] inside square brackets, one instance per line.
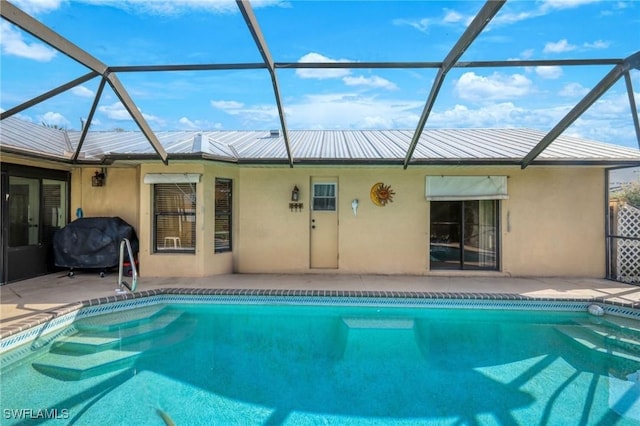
[551, 225]
[204, 261]
[554, 222]
[118, 197]
[390, 239]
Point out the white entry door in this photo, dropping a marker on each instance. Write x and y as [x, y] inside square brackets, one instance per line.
[324, 223]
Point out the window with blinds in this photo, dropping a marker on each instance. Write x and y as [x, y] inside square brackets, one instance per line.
[324, 197]
[174, 217]
[223, 213]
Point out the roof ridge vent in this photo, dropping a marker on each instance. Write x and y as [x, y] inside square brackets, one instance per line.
[274, 133]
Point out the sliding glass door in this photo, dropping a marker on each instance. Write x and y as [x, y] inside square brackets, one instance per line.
[35, 206]
[464, 234]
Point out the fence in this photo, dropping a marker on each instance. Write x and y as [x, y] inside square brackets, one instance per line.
[628, 249]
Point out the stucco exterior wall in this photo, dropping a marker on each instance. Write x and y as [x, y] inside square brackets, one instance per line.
[551, 225]
[118, 197]
[204, 261]
[390, 239]
[554, 222]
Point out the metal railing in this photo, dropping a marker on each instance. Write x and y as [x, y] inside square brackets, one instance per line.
[134, 270]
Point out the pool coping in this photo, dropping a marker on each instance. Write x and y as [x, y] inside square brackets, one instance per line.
[41, 318]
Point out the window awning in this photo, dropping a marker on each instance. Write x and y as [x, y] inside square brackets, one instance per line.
[172, 178]
[452, 188]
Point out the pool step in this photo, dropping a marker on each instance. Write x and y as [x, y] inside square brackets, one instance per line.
[380, 338]
[102, 340]
[91, 353]
[605, 341]
[378, 323]
[120, 319]
[68, 367]
[616, 333]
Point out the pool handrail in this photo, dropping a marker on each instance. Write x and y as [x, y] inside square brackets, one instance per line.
[134, 269]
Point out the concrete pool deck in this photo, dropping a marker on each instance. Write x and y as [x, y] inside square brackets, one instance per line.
[22, 301]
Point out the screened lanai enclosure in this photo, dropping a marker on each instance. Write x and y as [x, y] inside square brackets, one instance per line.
[228, 56]
[446, 88]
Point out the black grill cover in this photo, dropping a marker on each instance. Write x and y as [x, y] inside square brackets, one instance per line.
[93, 243]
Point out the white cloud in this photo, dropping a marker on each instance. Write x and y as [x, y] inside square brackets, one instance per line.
[227, 105]
[598, 44]
[117, 111]
[573, 90]
[188, 124]
[451, 16]
[461, 116]
[248, 113]
[178, 7]
[373, 81]
[558, 47]
[322, 73]
[352, 111]
[14, 44]
[335, 111]
[153, 118]
[82, 92]
[498, 115]
[473, 87]
[54, 119]
[507, 18]
[612, 106]
[34, 7]
[549, 72]
[258, 114]
[565, 4]
[527, 54]
[421, 25]
[609, 120]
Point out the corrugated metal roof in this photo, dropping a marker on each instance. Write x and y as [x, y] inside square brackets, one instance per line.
[464, 145]
[30, 137]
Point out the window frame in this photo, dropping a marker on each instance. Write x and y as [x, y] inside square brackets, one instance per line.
[188, 215]
[462, 224]
[221, 213]
[333, 197]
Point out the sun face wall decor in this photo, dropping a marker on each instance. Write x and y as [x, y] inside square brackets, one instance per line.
[381, 194]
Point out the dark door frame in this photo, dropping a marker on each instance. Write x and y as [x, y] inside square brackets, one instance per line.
[461, 210]
[8, 170]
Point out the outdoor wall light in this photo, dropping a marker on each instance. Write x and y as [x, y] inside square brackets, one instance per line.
[98, 178]
[295, 205]
[354, 207]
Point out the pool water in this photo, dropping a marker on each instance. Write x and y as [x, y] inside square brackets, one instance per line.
[308, 365]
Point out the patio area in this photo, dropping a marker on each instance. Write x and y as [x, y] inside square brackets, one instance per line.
[31, 301]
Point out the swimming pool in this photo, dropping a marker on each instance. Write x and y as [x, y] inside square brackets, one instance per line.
[350, 361]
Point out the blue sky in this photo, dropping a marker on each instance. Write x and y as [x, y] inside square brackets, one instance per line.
[126, 32]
